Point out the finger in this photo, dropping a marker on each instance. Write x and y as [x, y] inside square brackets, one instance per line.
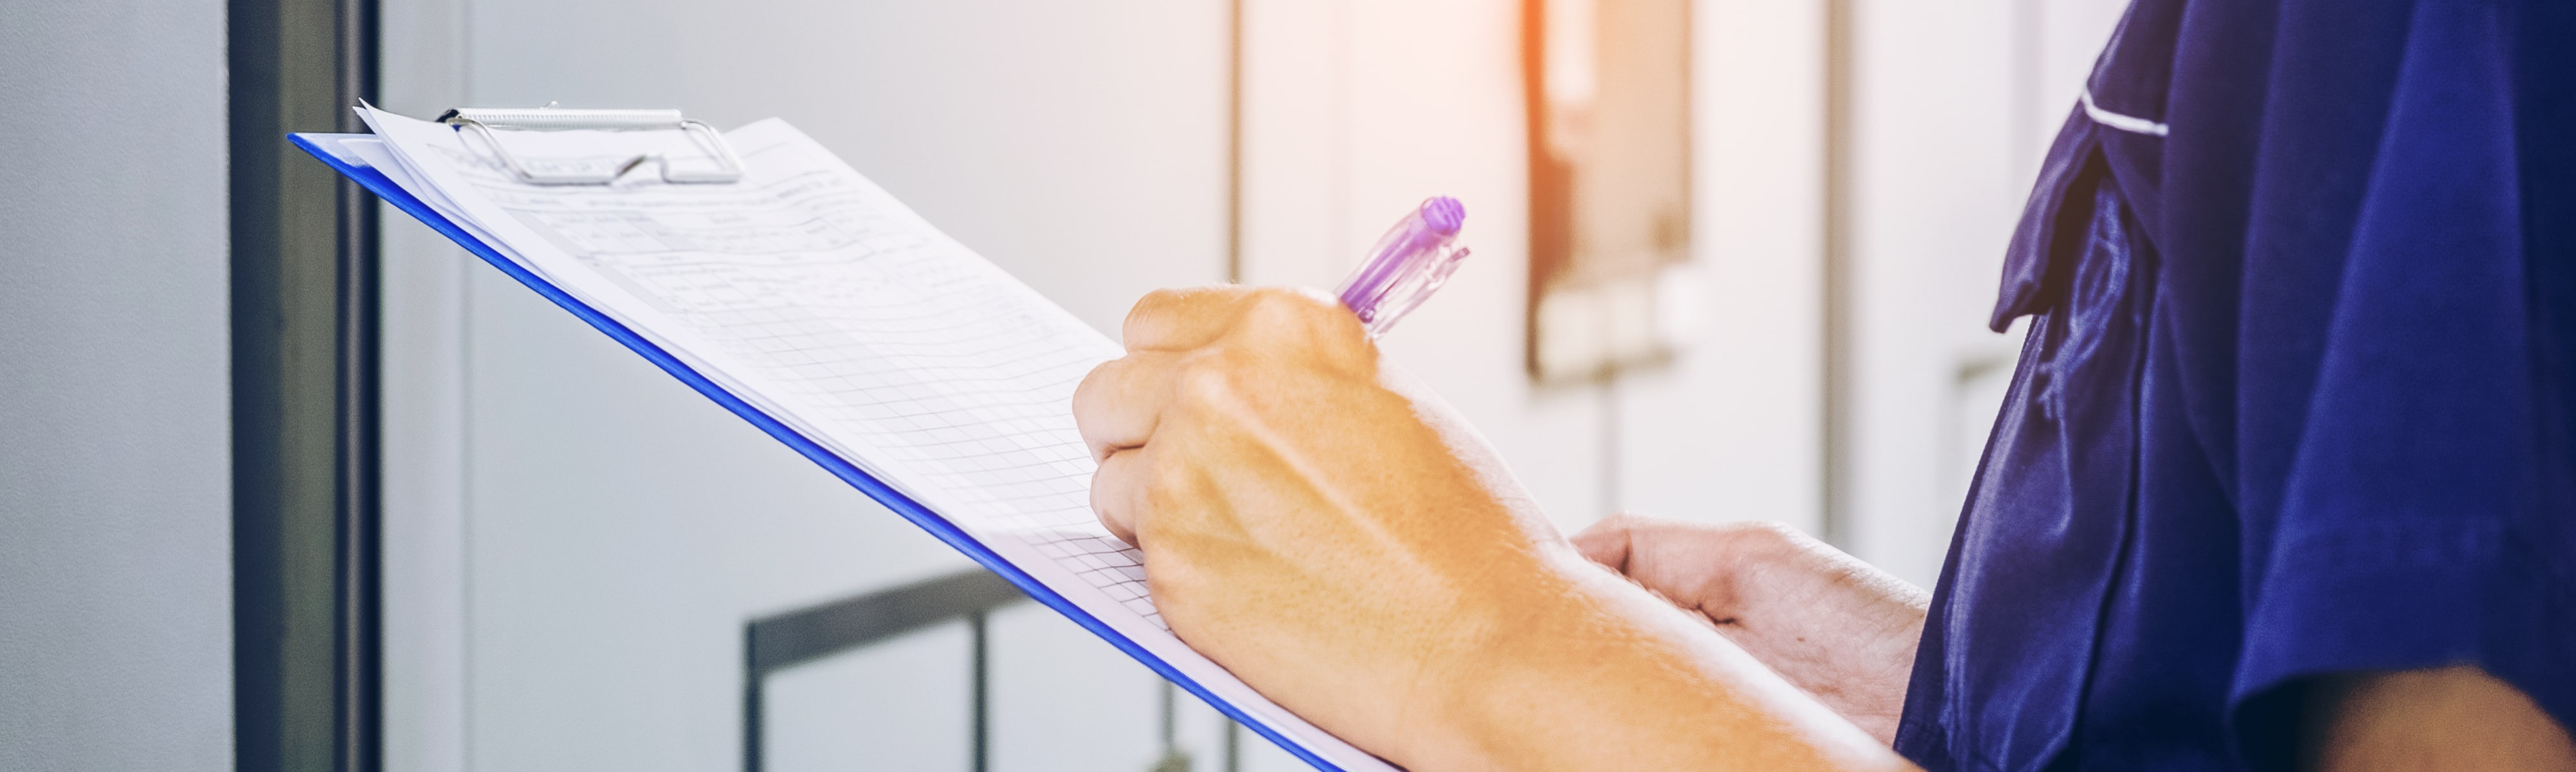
[1679, 559]
[1117, 493]
[1185, 318]
[1120, 402]
[1610, 542]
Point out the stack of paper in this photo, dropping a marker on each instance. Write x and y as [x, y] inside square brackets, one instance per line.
[815, 297]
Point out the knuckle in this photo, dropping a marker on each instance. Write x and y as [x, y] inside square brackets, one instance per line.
[1162, 503]
[1152, 302]
[1103, 503]
[1207, 379]
[1291, 303]
[1087, 393]
[1166, 479]
[1605, 530]
[1771, 532]
[1309, 320]
[1771, 527]
[1154, 315]
[1095, 402]
[1294, 310]
[1620, 521]
[1159, 297]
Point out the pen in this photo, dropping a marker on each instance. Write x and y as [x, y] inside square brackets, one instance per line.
[1409, 263]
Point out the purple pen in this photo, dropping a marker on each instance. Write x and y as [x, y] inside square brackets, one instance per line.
[1409, 263]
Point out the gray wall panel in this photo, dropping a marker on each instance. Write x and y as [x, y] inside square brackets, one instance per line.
[115, 466]
[899, 704]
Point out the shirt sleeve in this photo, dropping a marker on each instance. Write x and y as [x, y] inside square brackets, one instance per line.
[2422, 505]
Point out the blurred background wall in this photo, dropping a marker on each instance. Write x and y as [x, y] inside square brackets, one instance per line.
[115, 458]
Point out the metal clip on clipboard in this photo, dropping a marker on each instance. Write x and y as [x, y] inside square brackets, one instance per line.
[482, 120]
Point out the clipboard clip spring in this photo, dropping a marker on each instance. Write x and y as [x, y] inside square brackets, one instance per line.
[482, 120]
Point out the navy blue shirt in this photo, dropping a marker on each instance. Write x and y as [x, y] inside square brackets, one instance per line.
[2299, 393]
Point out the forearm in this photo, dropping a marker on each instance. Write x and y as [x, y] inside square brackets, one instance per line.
[1857, 658]
[1835, 627]
[1598, 674]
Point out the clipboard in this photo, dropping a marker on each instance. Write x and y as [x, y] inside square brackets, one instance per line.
[328, 148]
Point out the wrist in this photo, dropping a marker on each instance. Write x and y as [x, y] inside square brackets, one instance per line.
[1556, 630]
[1593, 672]
[1496, 632]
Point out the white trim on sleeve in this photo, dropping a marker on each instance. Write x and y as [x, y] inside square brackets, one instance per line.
[2128, 123]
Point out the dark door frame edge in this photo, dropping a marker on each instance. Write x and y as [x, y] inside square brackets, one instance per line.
[304, 403]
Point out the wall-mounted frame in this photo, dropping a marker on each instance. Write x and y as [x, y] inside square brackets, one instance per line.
[1608, 88]
[814, 633]
[805, 635]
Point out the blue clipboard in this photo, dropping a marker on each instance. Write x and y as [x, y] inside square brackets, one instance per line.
[326, 147]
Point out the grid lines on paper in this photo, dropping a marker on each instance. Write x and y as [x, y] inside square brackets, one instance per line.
[895, 344]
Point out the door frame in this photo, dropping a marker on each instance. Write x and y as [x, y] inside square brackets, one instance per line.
[304, 399]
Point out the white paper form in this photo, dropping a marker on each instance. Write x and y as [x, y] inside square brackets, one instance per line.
[819, 299]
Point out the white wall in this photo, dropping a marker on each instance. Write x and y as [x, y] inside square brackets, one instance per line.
[1733, 429]
[1954, 105]
[115, 448]
[1352, 115]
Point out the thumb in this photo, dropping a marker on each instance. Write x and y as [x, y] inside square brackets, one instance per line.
[1611, 541]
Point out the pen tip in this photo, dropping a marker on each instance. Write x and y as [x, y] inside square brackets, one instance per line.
[1444, 214]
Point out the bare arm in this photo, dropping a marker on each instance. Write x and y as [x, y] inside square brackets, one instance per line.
[1832, 625]
[2453, 718]
[1340, 542]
